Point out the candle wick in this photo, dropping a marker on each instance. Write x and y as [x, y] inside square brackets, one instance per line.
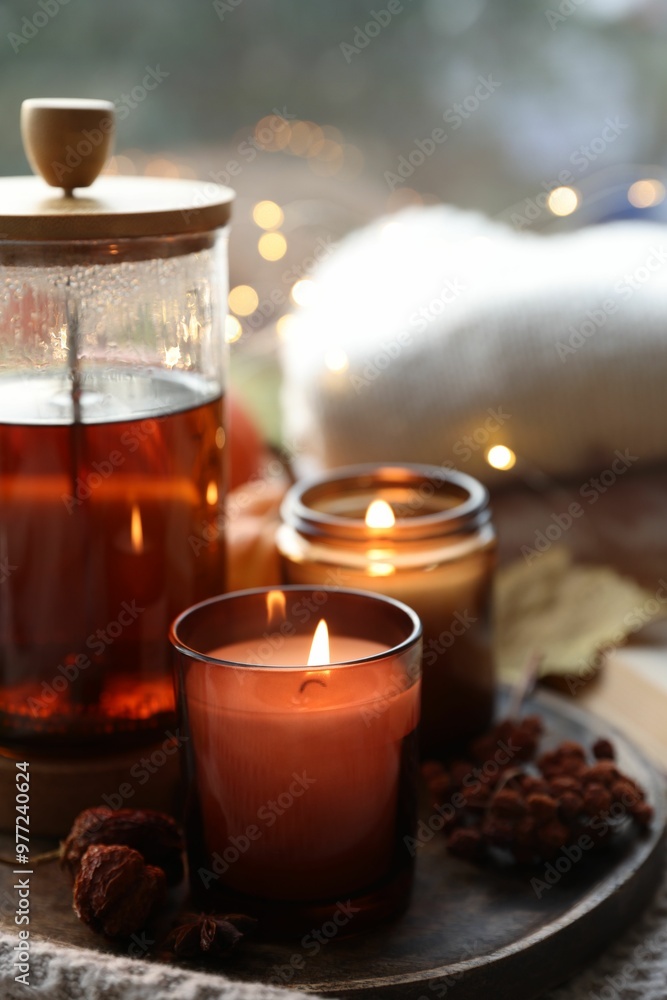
[311, 680]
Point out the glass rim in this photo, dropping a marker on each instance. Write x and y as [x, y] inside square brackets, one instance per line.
[467, 515]
[415, 634]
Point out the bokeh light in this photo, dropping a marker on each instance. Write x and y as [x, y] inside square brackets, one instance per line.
[501, 457]
[646, 193]
[243, 300]
[268, 215]
[303, 292]
[563, 201]
[233, 329]
[272, 246]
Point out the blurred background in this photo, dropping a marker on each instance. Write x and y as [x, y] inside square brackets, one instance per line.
[545, 113]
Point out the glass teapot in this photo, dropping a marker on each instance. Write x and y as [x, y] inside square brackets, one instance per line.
[113, 300]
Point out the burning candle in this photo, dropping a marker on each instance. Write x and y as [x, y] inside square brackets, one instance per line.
[421, 535]
[301, 708]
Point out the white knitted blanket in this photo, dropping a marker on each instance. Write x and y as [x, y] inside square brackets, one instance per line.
[60, 973]
[633, 968]
[438, 333]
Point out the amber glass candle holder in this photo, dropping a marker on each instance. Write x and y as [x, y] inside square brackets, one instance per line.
[301, 761]
[421, 535]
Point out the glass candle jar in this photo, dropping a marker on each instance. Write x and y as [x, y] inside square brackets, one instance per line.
[421, 535]
[301, 760]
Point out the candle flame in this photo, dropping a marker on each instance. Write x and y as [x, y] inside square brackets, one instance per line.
[136, 530]
[275, 605]
[379, 515]
[319, 654]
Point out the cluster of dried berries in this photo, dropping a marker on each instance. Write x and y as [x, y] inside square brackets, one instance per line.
[504, 795]
[207, 936]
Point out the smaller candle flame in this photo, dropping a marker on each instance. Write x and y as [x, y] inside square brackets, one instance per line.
[136, 530]
[379, 515]
[275, 605]
[319, 654]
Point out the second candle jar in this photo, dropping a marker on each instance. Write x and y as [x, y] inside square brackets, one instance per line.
[421, 535]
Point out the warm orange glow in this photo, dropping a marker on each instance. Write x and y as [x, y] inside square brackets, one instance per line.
[319, 651]
[275, 605]
[379, 515]
[212, 493]
[136, 530]
[381, 569]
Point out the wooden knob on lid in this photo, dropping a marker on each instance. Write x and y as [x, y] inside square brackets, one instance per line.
[67, 141]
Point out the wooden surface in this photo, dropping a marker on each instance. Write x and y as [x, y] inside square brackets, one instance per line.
[483, 931]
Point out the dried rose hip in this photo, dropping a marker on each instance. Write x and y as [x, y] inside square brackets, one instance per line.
[153, 834]
[115, 891]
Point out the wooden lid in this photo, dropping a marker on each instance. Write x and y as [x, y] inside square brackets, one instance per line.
[68, 142]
